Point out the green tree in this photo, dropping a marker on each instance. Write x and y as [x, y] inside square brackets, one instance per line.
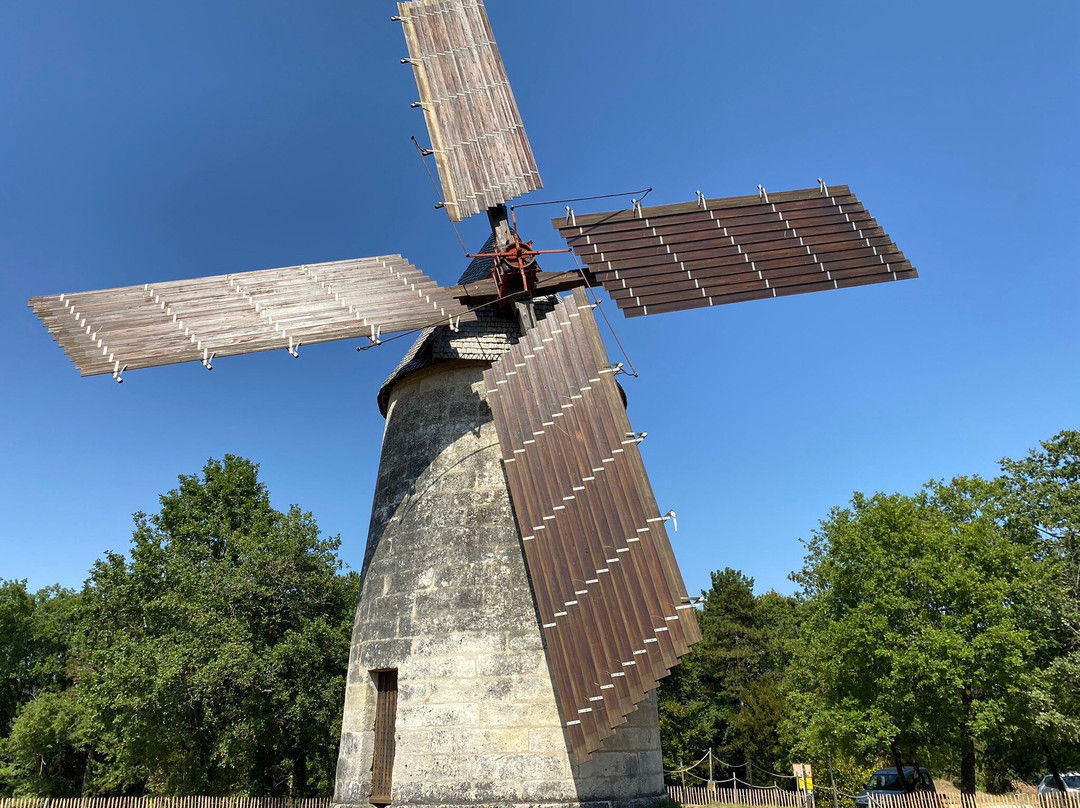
[924, 622]
[756, 724]
[1041, 502]
[1041, 507]
[212, 660]
[726, 694]
[17, 633]
[37, 752]
[48, 751]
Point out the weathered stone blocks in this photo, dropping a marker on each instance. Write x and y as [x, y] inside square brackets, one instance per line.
[445, 600]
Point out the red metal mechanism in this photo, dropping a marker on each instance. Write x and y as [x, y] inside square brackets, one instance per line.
[514, 266]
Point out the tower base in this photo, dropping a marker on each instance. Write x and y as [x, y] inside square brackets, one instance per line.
[445, 601]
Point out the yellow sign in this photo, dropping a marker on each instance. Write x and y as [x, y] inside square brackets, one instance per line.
[804, 775]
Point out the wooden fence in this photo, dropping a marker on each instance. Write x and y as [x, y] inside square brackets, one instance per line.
[778, 798]
[164, 802]
[954, 799]
[700, 795]
[684, 795]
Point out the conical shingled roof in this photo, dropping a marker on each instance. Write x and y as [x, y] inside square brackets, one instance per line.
[485, 339]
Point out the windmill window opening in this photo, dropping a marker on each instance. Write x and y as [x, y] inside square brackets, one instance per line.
[382, 764]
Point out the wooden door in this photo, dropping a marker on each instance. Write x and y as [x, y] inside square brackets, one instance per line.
[382, 766]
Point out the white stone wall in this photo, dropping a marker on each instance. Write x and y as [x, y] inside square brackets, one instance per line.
[446, 601]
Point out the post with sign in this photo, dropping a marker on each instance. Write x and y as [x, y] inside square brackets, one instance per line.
[804, 779]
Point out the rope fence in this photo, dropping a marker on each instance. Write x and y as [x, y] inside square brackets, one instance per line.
[740, 793]
[737, 793]
[706, 766]
[757, 795]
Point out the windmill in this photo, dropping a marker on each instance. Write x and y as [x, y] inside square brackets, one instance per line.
[520, 597]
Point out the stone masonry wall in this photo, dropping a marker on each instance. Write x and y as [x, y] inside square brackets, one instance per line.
[445, 599]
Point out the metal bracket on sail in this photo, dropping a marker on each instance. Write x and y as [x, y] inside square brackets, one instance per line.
[374, 339]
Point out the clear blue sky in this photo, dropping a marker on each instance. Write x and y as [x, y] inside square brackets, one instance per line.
[155, 141]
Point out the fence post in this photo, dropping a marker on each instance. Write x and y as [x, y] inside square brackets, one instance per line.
[832, 782]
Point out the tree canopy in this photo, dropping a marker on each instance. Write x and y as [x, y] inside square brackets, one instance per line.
[726, 693]
[210, 660]
[940, 629]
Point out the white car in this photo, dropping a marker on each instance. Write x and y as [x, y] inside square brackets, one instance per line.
[1071, 780]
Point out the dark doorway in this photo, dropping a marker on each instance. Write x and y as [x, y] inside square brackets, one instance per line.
[382, 765]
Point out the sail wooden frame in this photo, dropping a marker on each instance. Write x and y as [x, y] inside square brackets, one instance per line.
[109, 330]
[477, 136]
[613, 607]
[717, 251]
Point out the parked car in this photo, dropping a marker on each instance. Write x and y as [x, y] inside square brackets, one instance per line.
[1071, 779]
[884, 784]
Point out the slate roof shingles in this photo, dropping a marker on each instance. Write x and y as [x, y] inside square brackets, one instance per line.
[485, 339]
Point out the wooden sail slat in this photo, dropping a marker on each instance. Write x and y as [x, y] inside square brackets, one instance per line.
[477, 137]
[612, 605]
[714, 229]
[225, 315]
[719, 251]
[720, 265]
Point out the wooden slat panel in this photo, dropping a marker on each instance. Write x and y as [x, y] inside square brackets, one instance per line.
[613, 607]
[226, 315]
[718, 251]
[477, 136]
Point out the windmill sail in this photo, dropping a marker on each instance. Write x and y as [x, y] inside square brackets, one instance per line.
[224, 315]
[477, 137]
[716, 251]
[614, 610]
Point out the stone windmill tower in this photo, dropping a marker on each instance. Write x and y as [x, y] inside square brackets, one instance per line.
[520, 599]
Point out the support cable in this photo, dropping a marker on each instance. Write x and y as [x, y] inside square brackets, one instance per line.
[422, 153]
[637, 208]
[611, 328]
[644, 192]
[640, 195]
